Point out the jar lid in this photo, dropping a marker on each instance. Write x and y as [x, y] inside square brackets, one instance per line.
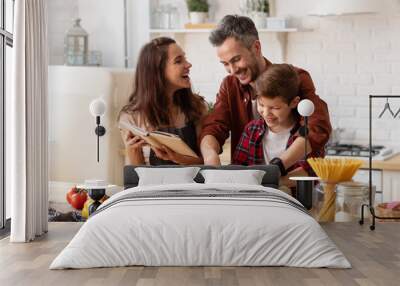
[353, 184]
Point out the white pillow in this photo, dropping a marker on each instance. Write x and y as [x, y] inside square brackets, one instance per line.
[248, 177]
[163, 176]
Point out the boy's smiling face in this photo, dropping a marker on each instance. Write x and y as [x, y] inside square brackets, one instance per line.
[276, 112]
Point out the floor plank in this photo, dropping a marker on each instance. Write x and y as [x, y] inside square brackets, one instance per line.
[374, 255]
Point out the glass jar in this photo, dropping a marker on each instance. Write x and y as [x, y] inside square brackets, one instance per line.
[164, 22]
[156, 18]
[318, 199]
[350, 196]
[174, 18]
[324, 202]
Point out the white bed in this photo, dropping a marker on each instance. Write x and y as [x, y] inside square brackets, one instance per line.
[224, 225]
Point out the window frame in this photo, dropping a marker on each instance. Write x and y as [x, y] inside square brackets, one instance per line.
[6, 39]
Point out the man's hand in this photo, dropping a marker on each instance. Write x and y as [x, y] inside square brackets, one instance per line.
[212, 159]
[209, 148]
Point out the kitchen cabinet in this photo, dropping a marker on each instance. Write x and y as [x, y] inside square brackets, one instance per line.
[362, 175]
[390, 177]
[387, 183]
[385, 176]
[391, 186]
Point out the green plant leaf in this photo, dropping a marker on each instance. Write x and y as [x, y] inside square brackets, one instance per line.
[197, 5]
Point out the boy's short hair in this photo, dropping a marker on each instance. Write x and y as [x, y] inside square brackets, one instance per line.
[279, 80]
[241, 28]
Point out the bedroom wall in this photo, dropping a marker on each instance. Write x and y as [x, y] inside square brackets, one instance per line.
[348, 57]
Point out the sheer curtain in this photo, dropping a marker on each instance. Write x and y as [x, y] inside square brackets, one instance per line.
[27, 117]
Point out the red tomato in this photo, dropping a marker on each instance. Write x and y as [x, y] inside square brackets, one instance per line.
[78, 199]
[72, 191]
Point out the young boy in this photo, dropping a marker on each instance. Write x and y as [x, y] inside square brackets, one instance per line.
[265, 139]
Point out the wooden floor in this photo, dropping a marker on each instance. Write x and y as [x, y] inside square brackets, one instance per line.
[374, 255]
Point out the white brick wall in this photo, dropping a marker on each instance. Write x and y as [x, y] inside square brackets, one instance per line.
[360, 55]
[348, 58]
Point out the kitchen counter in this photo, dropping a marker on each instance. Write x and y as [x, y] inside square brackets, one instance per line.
[392, 164]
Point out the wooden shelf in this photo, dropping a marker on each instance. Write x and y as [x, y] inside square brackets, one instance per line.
[188, 31]
[280, 34]
[178, 31]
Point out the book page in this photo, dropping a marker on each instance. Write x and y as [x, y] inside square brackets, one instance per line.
[134, 129]
[139, 132]
[176, 144]
[164, 133]
[159, 138]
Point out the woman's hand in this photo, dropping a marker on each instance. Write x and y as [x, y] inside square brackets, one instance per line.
[133, 148]
[166, 154]
[132, 142]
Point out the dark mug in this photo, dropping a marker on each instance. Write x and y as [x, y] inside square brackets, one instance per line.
[304, 192]
[97, 194]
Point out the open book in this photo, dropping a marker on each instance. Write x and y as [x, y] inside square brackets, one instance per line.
[158, 138]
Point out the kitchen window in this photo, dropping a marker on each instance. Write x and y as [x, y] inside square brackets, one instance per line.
[6, 44]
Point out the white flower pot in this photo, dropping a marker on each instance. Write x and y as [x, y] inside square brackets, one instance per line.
[197, 17]
[276, 23]
[260, 19]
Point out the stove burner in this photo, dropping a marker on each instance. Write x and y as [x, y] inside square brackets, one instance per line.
[352, 150]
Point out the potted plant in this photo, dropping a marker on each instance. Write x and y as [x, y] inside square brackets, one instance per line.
[260, 10]
[198, 10]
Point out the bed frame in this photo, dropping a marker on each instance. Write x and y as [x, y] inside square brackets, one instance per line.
[270, 179]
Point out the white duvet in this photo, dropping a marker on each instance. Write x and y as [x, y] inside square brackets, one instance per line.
[183, 231]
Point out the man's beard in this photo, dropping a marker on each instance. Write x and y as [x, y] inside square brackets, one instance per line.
[254, 69]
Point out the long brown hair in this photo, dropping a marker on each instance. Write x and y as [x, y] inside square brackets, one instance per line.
[149, 98]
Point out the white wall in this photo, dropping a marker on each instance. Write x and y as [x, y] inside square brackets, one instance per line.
[72, 140]
[138, 28]
[60, 15]
[104, 21]
[348, 57]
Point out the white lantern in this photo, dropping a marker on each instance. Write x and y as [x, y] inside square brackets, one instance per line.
[76, 45]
